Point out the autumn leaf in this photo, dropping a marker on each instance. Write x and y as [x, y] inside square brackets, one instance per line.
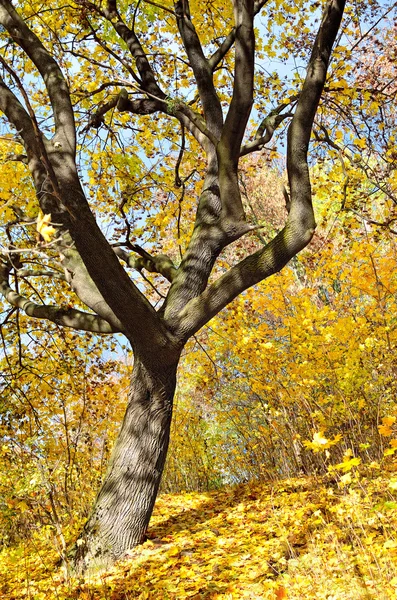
[320, 442]
[44, 227]
[348, 463]
[386, 428]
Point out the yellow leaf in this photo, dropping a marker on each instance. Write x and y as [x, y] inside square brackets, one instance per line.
[389, 451]
[320, 442]
[45, 229]
[348, 463]
[384, 430]
[346, 479]
[360, 142]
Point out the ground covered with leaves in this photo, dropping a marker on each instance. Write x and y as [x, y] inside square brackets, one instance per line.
[298, 538]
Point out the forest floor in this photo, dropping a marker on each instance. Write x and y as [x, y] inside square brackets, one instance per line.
[306, 538]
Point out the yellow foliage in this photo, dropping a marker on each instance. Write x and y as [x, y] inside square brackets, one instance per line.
[386, 428]
[299, 538]
[348, 462]
[320, 442]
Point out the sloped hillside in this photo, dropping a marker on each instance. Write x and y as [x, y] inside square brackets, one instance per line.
[298, 538]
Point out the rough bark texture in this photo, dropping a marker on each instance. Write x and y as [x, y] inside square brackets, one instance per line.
[125, 502]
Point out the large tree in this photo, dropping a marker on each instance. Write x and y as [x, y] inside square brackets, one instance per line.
[130, 79]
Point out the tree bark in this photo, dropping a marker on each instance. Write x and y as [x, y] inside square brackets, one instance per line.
[125, 502]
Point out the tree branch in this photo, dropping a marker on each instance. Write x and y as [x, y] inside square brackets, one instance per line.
[300, 224]
[220, 216]
[241, 103]
[18, 116]
[299, 132]
[161, 263]
[37, 158]
[268, 126]
[223, 49]
[196, 122]
[49, 70]
[139, 106]
[228, 42]
[67, 317]
[148, 78]
[102, 285]
[201, 68]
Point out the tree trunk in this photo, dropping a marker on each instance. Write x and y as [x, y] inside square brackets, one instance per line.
[126, 499]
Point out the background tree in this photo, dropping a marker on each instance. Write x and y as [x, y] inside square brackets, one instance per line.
[70, 243]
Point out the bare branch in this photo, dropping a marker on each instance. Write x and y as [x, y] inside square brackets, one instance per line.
[161, 263]
[269, 126]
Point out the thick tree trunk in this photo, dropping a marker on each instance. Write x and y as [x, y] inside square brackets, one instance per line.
[126, 499]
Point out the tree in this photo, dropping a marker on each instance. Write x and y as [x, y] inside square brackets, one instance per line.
[69, 234]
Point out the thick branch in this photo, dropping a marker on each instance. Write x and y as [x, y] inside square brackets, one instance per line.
[92, 268]
[300, 225]
[267, 127]
[228, 42]
[220, 216]
[66, 317]
[24, 272]
[241, 103]
[139, 106]
[96, 275]
[232, 216]
[271, 259]
[223, 49]
[144, 106]
[299, 131]
[146, 73]
[195, 124]
[35, 144]
[201, 68]
[52, 75]
[18, 117]
[258, 5]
